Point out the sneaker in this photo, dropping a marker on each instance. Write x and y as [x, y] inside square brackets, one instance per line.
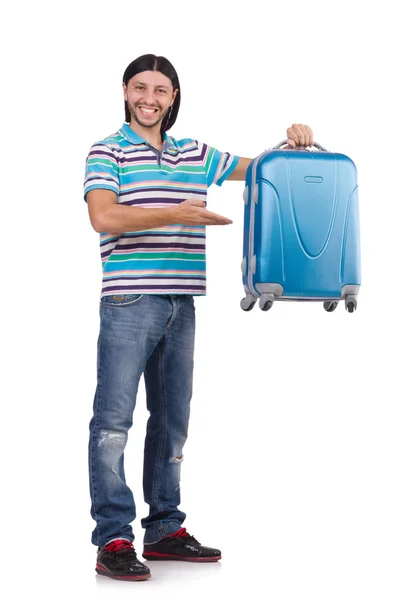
[180, 546]
[117, 559]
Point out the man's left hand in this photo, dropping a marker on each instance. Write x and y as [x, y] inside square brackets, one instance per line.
[299, 135]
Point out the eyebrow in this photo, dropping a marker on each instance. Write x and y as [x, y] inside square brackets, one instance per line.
[158, 86]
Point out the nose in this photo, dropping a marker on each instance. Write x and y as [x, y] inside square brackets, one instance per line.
[148, 97]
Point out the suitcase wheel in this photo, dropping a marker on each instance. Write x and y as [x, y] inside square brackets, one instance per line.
[248, 302]
[266, 301]
[247, 307]
[330, 306]
[267, 306]
[350, 303]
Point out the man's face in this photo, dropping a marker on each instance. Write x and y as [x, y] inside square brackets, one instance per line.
[149, 95]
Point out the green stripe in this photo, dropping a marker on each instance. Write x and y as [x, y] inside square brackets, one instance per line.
[209, 158]
[101, 161]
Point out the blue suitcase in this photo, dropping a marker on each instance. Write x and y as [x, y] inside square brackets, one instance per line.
[301, 229]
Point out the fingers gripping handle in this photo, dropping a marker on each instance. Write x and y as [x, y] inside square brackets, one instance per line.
[318, 146]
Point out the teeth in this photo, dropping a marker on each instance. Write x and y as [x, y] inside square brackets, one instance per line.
[147, 110]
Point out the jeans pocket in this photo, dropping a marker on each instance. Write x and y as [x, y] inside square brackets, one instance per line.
[121, 299]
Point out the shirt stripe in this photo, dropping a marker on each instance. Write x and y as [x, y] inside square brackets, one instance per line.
[165, 260]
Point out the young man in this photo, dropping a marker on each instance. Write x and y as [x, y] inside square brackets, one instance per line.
[146, 197]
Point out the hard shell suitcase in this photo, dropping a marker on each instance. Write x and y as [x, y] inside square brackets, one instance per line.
[301, 229]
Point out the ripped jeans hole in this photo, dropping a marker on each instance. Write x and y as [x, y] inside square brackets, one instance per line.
[176, 459]
[112, 437]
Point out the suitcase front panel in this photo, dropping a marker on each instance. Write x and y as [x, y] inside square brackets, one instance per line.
[304, 227]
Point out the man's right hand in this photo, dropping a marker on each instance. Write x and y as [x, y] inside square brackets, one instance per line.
[193, 212]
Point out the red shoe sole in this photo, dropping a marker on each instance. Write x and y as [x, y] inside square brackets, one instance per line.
[102, 571]
[158, 556]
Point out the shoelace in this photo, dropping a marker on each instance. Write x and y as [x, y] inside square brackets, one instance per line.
[118, 545]
[123, 551]
[182, 533]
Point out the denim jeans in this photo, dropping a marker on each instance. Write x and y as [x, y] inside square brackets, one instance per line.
[153, 335]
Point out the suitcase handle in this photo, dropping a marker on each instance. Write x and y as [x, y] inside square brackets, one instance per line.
[315, 144]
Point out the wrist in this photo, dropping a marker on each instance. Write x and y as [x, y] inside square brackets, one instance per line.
[172, 215]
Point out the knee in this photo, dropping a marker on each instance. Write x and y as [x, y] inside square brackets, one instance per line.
[112, 439]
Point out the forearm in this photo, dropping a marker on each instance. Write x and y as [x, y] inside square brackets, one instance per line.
[240, 171]
[121, 219]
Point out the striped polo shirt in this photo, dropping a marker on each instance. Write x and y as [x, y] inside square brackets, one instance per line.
[164, 260]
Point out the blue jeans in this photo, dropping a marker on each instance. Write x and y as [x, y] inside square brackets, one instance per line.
[154, 335]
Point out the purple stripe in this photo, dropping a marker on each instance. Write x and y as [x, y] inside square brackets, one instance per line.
[198, 159]
[106, 254]
[194, 149]
[152, 158]
[102, 153]
[162, 246]
[155, 287]
[153, 200]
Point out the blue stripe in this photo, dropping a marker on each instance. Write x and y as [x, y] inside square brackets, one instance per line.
[142, 265]
[173, 177]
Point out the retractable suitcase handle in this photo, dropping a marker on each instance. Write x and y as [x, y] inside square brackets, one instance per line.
[318, 146]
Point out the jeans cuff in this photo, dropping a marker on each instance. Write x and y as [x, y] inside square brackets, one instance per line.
[156, 532]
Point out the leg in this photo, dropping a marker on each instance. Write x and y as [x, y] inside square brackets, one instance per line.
[168, 379]
[128, 335]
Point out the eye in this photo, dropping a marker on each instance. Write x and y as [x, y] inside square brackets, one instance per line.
[162, 91]
[139, 87]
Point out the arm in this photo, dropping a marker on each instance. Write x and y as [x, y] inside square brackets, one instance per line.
[101, 188]
[108, 216]
[240, 171]
[298, 135]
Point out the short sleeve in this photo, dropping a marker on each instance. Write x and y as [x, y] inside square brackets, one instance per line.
[217, 165]
[101, 170]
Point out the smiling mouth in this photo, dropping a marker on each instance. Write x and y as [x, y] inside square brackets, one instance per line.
[147, 112]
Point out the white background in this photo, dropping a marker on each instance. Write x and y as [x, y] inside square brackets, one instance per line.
[290, 466]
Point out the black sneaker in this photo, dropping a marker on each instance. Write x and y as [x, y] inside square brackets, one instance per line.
[180, 546]
[118, 560]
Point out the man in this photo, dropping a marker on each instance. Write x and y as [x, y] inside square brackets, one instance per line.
[146, 196]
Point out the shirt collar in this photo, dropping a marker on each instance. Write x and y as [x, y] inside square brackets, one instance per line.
[130, 135]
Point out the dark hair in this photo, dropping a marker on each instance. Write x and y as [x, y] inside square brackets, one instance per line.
[150, 62]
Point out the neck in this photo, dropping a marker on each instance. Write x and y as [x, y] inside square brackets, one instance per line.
[150, 134]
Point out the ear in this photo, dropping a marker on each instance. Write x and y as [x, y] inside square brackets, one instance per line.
[125, 91]
[174, 95]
